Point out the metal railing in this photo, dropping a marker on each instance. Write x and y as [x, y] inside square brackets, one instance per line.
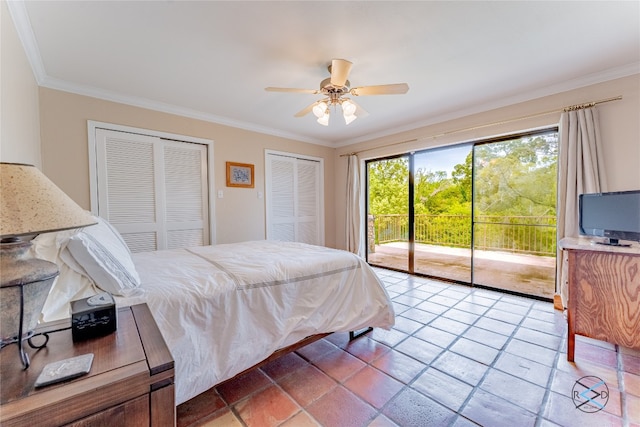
[534, 235]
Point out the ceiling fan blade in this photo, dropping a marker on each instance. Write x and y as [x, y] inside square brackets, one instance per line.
[340, 69]
[306, 110]
[392, 89]
[287, 89]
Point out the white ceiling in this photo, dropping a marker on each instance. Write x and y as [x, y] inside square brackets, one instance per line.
[212, 60]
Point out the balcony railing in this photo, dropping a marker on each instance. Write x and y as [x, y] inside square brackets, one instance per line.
[518, 234]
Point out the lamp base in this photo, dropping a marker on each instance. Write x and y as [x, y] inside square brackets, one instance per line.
[25, 285]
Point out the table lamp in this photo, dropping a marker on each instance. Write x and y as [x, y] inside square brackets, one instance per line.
[30, 204]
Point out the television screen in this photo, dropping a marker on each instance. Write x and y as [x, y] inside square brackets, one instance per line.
[613, 215]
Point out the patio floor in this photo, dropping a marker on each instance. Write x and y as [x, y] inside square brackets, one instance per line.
[525, 274]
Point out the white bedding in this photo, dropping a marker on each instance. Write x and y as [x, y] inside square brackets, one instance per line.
[224, 308]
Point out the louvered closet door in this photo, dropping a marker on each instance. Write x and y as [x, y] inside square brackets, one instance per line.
[185, 191]
[294, 199]
[152, 190]
[281, 224]
[308, 202]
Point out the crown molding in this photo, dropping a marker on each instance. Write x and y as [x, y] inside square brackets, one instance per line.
[92, 92]
[580, 82]
[18, 12]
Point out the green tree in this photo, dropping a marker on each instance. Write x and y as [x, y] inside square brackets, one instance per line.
[516, 177]
[462, 175]
[515, 181]
[389, 186]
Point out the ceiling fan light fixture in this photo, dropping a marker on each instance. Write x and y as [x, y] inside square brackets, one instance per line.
[349, 118]
[348, 108]
[320, 109]
[324, 120]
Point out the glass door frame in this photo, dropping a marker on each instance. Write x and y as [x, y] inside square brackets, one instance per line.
[411, 208]
[410, 237]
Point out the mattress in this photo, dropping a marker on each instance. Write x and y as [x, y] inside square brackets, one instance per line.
[225, 308]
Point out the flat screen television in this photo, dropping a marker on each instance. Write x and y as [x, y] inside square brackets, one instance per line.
[614, 216]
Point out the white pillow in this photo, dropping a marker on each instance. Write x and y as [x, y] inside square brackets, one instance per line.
[103, 254]
[69, 285]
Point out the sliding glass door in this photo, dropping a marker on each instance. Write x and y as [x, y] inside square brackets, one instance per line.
[514, 221]
[388, 213]
[481, 213]
[442, 212]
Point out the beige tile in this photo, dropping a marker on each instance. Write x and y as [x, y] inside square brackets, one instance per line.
[631, 383]
[301, 419]
[269, 407]
[225, 420]
[581, 369]
[633, 409]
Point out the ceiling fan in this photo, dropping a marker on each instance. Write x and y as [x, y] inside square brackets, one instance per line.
[336, 88]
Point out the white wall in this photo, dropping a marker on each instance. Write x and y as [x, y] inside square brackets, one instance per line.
[239, 215]
[19, 115]
[619, 128]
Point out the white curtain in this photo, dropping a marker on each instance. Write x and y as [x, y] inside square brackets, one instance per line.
[580, 170]
[354, 229]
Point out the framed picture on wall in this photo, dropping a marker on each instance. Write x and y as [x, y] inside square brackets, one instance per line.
[240, 175]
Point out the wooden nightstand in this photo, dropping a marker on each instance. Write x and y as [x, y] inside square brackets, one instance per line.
[604, 285]
[130, 382]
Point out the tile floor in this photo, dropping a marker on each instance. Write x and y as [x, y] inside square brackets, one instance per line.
[457, 356]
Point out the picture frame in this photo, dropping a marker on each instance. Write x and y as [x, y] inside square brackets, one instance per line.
[240, 175]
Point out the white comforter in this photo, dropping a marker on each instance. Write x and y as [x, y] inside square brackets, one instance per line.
[224, 308]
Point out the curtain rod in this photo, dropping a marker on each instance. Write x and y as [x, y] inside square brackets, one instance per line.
[382, 146]
[560, 110]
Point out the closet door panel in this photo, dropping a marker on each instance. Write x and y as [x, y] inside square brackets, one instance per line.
[294, 199]
[308, 201]
[281, 224]
[186, 202]
[128, 188]
[154, 191]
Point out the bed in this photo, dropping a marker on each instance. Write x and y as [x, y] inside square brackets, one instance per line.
[221, 309]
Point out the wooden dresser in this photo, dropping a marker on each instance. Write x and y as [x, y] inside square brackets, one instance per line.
[130, 382]
[604, 293]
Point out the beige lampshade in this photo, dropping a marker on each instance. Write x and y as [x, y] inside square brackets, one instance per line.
[31, 204]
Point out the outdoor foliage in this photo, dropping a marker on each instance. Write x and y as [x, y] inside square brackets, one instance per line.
[389, 186]
[515, 197]
[517, 177]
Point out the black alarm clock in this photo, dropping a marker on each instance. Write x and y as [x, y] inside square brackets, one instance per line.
[93, 317]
